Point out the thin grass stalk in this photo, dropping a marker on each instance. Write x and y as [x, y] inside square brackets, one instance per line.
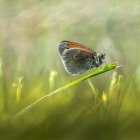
[95, 73]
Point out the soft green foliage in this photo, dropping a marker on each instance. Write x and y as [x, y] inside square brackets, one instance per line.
[105, 107]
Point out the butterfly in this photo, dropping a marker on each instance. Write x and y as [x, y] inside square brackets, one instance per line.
[78, 58]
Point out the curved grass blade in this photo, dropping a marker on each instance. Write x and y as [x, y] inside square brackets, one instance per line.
[92, 74]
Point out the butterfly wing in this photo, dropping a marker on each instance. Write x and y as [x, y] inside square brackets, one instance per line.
[76, 59]
[69, 45]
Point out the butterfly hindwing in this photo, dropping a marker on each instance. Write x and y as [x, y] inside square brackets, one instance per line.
[76, 61]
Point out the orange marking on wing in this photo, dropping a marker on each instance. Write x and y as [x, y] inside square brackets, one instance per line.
[78, 46]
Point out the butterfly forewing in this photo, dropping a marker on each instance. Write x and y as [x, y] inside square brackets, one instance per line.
[69, 45]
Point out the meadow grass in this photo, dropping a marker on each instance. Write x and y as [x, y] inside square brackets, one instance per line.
[104, 107]
[100, 71]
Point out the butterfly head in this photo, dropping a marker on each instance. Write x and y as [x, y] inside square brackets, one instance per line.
[101, 57]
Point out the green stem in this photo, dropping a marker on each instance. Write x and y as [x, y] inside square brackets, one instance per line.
[95, 73]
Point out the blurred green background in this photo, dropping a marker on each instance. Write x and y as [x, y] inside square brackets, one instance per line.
[105, 107]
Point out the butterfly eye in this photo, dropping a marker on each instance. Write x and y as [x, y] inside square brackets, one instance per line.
[67, 48]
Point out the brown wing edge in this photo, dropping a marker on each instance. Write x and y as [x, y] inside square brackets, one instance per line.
[78, 45]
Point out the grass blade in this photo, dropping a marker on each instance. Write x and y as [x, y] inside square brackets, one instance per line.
[95, 73]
